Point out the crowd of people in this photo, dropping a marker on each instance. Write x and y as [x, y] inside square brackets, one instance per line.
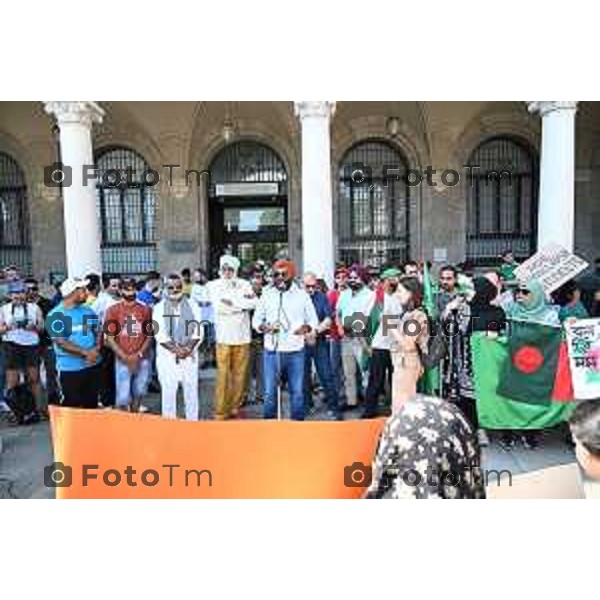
[362, 344]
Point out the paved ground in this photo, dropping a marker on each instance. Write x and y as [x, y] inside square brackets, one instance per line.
[27, 450]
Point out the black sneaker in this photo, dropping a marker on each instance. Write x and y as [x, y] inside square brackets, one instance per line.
[530, 441]
[507, 442]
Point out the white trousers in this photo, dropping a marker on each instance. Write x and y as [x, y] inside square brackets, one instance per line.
[170, 375]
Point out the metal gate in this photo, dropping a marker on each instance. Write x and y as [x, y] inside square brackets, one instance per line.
[501, 201]
[15, 240]
[373, 225]
[127, 214]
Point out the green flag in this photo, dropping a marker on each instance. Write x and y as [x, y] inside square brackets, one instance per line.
[529, 373]
[432, 375]
[496, 411]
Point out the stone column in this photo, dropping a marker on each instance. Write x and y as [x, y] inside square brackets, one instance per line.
[82, 231]
[317, 208]
[556, 213]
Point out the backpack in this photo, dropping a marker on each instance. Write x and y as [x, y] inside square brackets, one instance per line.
[437, 346]
[21, 401]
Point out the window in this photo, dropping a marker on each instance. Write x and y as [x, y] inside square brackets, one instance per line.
[373, 225]
[501, 201]
[15, 244]
[127, 213]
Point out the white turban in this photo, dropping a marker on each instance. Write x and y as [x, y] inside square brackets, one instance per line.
[230, 261]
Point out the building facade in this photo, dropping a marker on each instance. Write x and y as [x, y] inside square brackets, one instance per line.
[319, 181]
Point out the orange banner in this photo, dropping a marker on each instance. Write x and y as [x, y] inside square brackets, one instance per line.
[110, 454]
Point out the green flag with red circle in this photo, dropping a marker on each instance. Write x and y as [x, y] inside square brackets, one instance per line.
[534, 371]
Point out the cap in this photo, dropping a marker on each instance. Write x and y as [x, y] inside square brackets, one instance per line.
[17, 287]
[68, 286]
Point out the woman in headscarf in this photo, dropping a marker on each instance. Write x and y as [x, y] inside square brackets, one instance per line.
[427, 451]
[477, 314]
[409, 342]
[530, 305]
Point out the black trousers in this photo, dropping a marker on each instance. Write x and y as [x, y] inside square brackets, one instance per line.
[380, 368]
[468, 406]
[80, 389]
[108, 387]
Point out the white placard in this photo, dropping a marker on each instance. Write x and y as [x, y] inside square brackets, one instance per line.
[583, 340]
[247, 189]
[552, 266]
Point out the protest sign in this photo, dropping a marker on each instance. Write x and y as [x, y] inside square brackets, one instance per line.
[583, 339]
[552, 266]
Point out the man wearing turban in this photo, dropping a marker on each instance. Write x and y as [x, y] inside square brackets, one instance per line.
[232, 299]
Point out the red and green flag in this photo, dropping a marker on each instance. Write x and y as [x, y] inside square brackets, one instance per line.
[519, 383]
[529, 373]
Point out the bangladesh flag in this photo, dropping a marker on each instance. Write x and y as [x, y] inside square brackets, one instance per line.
[530, 373]
[493, 361]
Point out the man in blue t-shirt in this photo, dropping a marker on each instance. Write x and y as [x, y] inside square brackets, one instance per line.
[76, 335]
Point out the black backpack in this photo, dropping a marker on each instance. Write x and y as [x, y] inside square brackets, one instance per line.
[21, 401]
[437, 346]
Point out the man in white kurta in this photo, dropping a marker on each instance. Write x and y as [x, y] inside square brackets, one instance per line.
[232, 299]
[177, 339]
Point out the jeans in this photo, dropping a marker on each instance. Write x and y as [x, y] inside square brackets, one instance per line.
[320, 355]
[131, 385]
[291, 363]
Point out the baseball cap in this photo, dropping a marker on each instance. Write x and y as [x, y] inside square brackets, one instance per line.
[17, 287]
[68, 286]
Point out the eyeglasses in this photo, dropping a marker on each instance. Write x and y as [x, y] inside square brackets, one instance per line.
[310, 286]
[280, 274]
[523, 291]
[174, 288]
[32, 289]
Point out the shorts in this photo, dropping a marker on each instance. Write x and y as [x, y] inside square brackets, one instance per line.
[21, 358]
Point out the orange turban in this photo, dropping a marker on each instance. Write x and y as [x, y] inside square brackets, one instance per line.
[286, 265]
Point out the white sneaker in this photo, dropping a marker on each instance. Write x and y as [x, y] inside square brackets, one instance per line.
[4, 408]
[143, 409]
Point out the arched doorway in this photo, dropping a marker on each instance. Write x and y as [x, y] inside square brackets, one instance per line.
[373, 213]
[15, 240]
[248, 208]
[502, 209]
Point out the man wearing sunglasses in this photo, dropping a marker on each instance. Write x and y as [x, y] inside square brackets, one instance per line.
[285, 314]
[46, 348]
[318, 350]
[232, 299]
[178, 335]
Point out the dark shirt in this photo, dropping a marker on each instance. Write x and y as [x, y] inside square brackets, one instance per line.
[45, 306]
[322, 308]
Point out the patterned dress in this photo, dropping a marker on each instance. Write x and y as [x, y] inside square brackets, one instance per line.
[427, 450]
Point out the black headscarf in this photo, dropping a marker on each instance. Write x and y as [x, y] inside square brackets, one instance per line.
[484, 315]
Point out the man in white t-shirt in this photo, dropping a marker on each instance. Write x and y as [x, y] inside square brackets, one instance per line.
[20, 325]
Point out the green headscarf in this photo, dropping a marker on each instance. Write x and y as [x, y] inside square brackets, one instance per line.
[534, 308]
